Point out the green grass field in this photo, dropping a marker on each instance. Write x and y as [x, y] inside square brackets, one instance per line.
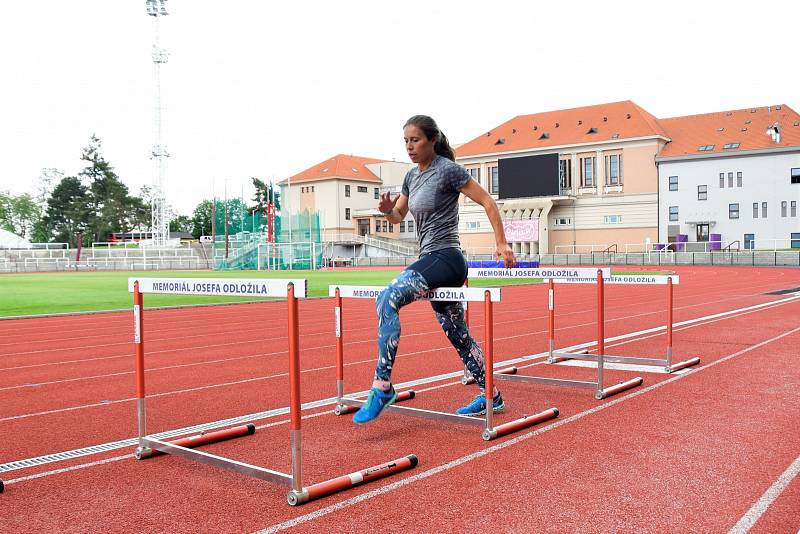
[46, 293]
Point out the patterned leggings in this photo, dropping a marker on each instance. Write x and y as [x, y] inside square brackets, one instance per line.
[409, 286]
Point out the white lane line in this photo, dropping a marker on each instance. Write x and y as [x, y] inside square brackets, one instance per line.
[500, 446]
[752, 516]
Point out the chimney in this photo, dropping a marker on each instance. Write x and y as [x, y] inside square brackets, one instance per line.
[774, 131]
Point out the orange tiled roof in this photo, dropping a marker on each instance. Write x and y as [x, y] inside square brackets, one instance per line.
[339, 166]
[747, 127]
[566, 127]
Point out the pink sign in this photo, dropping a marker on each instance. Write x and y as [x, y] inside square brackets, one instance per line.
[521, 229]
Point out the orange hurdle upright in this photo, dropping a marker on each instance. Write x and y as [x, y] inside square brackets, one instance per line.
[150, 446]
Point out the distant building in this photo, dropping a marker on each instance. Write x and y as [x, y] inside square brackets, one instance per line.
[345, 190]
[605, 184]
[731, 176]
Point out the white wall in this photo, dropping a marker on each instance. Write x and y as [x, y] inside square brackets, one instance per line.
[765, 178]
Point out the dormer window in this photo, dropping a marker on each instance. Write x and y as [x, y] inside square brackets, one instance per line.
[500, 141]
[591, 131]
[544, 135]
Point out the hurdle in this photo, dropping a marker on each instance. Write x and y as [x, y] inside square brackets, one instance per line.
[150, 446]
[488, 296]
[555, 356]
[600, 391]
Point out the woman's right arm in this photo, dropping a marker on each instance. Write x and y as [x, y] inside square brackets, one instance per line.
[395, 210]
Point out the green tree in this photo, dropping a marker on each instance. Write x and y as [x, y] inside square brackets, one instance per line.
[265, 193]
[201, 219]
[5, 211]
[68, 210]
[112, 208]
[181, 223]
[19, 214]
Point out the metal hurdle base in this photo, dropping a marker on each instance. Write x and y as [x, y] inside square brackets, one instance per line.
[630, 360]
[600, 393]
[488, 434]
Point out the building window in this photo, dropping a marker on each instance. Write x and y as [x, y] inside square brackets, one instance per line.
[784, 205]
[402, 226]
[705, 148]
[347, 190]
[347, 214]
[795, 240]
[733, 211]
[764, 210]
[565, 174]
[612, 219]
[730, 179]
[312, 188]
[755, 210]
[614, 169]
[702, 192]
[796, 176]
[302, 189]
[563, 221]
[587, 172]
[793, 209]
[730, 146]
[673, 213]
[475, 174]
[749, 241]
[495, 179]
[410, 226]
[362, 189]
[391, 227]
[721, 180]
[739, 179]
[473, 225]
[673, 183]
[385, 226]
[377, 194]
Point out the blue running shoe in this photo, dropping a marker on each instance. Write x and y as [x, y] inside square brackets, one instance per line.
[377, 401]
[478, 406]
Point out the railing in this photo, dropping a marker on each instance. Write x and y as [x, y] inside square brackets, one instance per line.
[580, 249]
[386, 244]
[609, 249]
[730, 246]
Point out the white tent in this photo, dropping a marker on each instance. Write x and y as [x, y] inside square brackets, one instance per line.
[9, 240]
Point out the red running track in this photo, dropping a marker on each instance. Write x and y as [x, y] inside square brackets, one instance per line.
[657, 458]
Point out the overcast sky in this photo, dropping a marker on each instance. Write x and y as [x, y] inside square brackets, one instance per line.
[267, 89]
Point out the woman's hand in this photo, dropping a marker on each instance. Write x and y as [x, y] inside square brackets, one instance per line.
[386, 203]
[505, 253]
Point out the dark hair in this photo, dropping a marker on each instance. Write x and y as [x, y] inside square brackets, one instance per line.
[432, 132]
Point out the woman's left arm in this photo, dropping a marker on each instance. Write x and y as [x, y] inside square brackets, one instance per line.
[478, 194]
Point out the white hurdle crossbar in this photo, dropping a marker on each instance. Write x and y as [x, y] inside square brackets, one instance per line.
[464, 294]
[600, 391]
[149, 446]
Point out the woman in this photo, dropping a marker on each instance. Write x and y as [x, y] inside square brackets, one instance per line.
[431, 192]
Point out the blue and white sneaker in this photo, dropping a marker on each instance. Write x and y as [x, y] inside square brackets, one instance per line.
[478, 406]
[377, 402]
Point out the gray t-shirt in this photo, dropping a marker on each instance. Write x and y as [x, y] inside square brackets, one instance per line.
[433, 202]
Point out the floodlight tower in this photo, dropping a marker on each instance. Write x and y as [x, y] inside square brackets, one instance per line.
[159, 207]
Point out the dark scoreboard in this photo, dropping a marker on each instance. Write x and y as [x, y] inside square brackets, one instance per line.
[528, 176]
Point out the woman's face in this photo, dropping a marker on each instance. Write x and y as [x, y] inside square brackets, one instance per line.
[418, 146]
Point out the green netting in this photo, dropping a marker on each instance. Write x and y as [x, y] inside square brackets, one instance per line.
[246, 243]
